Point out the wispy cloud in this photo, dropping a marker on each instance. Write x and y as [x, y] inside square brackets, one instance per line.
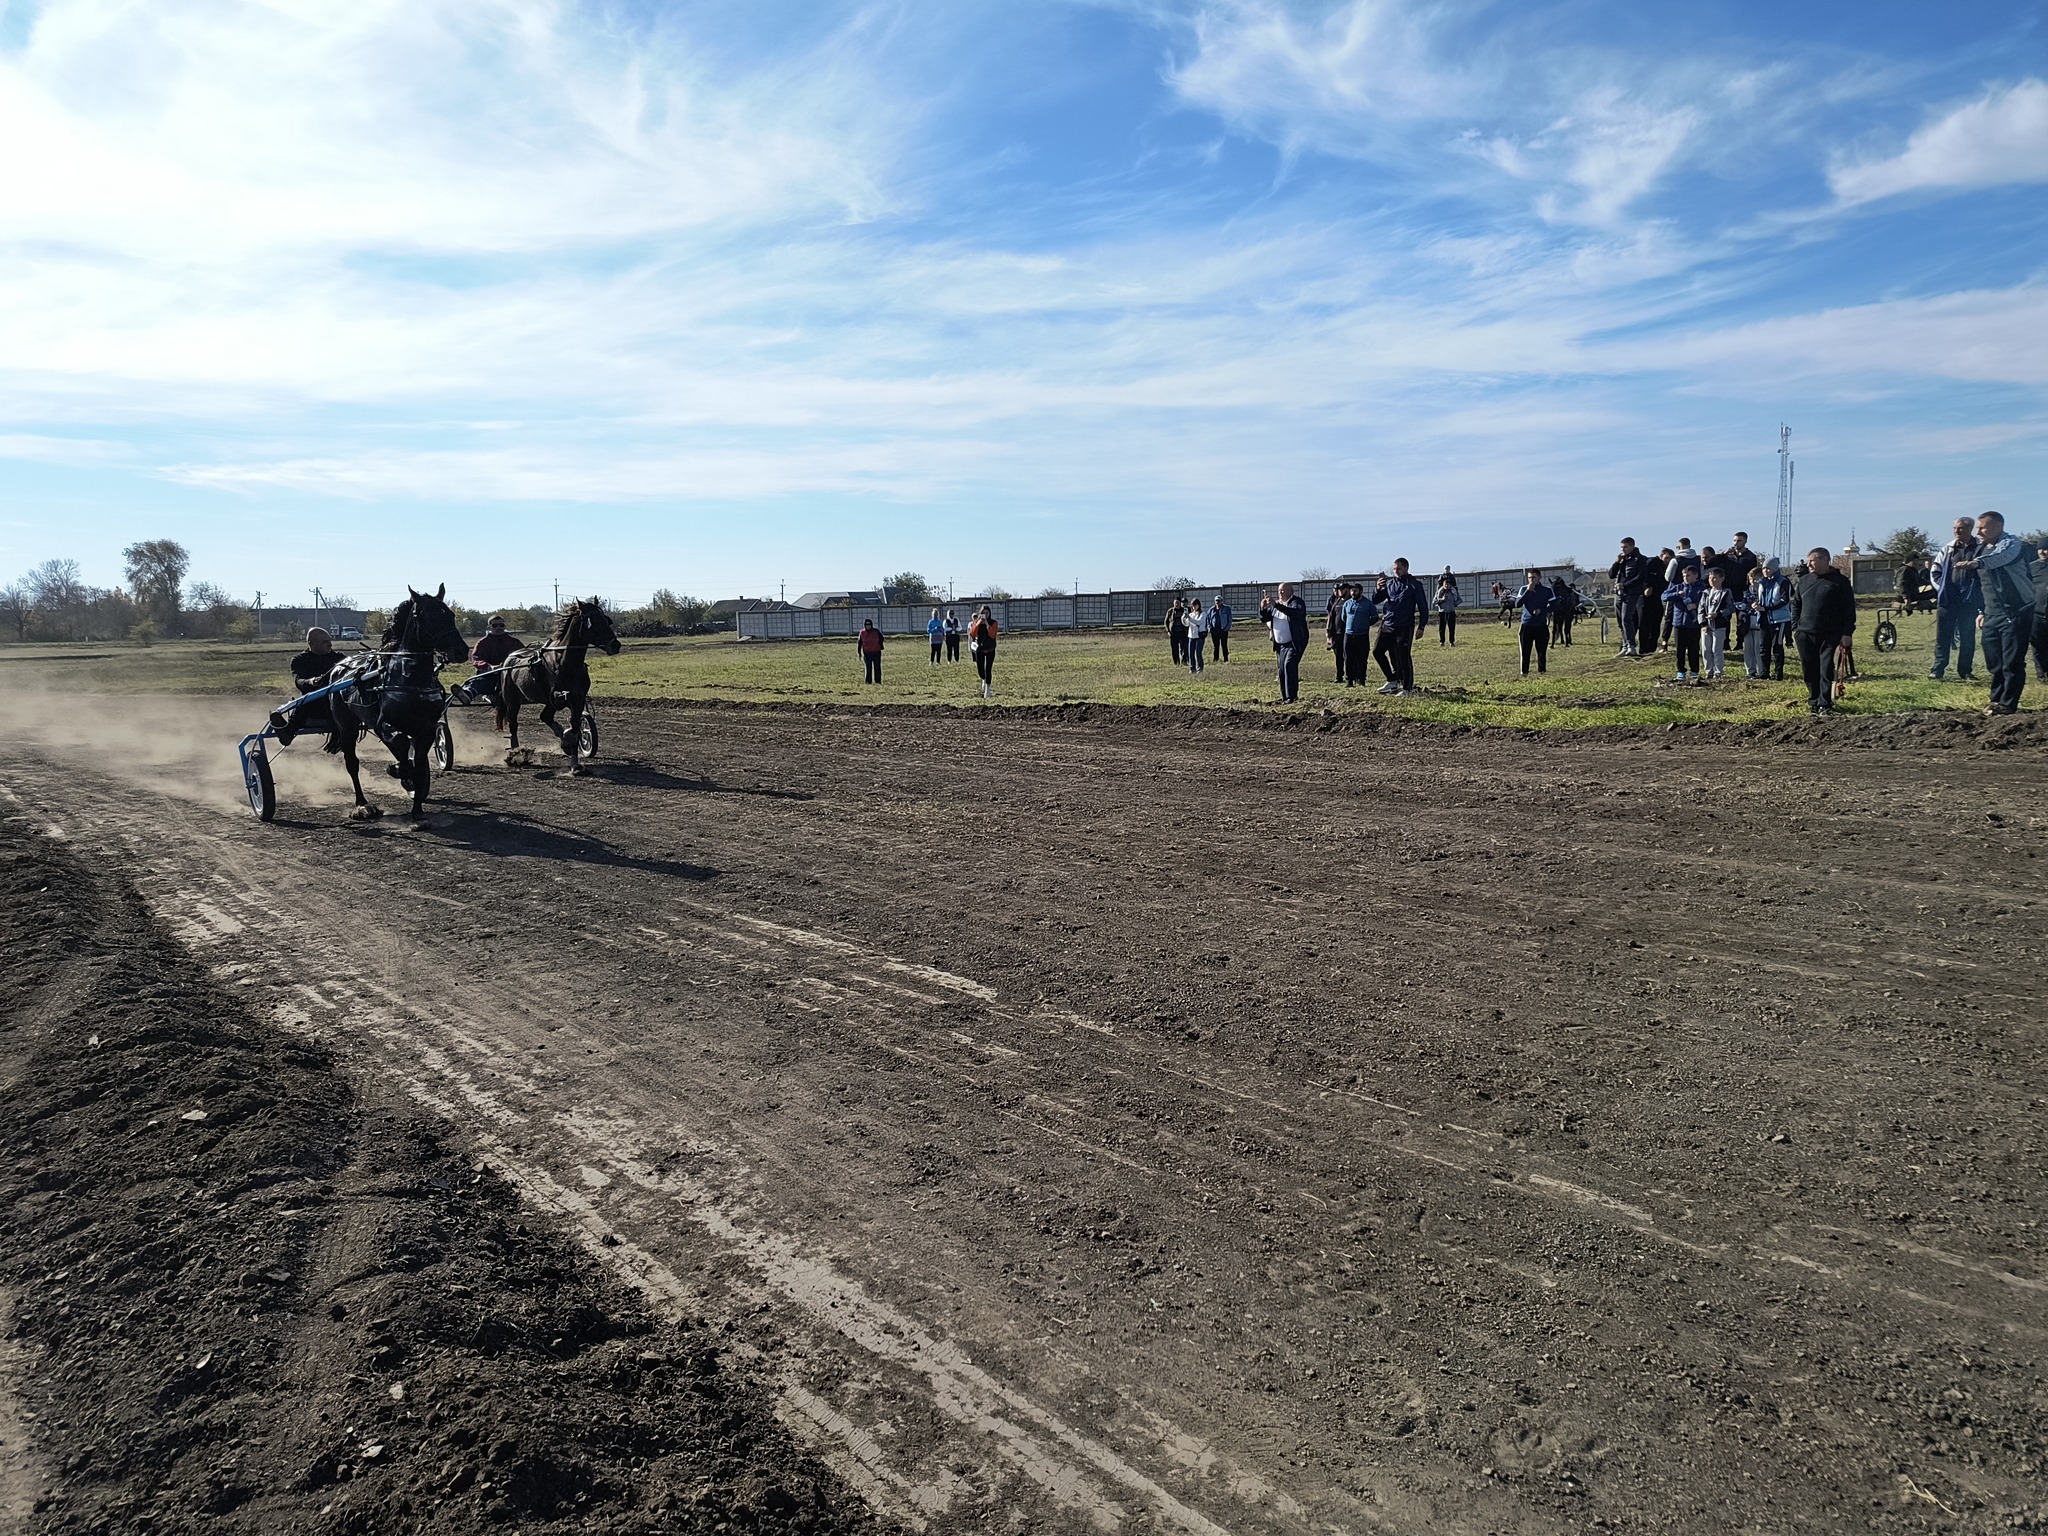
[1998, 139]
[1372, 261]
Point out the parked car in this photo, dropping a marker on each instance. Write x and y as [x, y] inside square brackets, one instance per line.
[348, 632]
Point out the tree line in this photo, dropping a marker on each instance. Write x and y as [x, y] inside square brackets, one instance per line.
[55, 602]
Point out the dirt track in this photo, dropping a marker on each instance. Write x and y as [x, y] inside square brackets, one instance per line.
[1106, 1125]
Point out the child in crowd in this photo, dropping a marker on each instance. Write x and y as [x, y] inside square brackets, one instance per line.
[1682, 609]
[1774, 603]
[1716, 609]
[1749, 619]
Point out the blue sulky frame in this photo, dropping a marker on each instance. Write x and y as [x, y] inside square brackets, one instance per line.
[255, 754]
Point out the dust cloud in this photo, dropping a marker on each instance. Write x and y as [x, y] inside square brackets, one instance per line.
[179, 745]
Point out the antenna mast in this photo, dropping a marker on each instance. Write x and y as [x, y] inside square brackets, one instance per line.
[1781, 543]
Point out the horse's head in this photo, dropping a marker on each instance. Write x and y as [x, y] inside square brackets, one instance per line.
[425, 622]
[586, 623]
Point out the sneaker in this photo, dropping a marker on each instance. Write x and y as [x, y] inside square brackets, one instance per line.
[1681, 678]
[2000, 709]
[1390, 687]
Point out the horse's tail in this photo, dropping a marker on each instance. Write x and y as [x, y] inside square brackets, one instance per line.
[507, 701]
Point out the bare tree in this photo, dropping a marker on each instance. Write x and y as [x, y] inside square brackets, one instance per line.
[1316, 573]
[156, 574]
[17, 607]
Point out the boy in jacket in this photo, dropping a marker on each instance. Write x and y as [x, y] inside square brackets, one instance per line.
[1682, 610]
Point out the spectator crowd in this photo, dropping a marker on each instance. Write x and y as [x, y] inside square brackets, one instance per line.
[1703, 608]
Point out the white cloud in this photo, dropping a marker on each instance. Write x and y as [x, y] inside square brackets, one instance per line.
[1265, 60]
[211, 131]
[1999, 139]
[1981, 336]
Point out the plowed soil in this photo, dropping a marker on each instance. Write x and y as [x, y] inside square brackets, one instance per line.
[1057, 1123]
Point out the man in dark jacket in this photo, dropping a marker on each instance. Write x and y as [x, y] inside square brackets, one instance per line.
[1333, 623]
[1630, 574]
[1741, 562]
[2041, 614]
[2006, 580]
[1823, 616]
[1288, 620]
[1404, 614]
[310, 669]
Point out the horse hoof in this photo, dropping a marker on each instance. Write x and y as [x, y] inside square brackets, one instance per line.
[365, 813]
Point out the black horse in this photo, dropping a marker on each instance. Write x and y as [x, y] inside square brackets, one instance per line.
[395, 693]
[555, 674]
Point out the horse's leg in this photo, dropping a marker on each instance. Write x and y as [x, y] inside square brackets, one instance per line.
[572, 739]
[364, 811]
[422, 773]
[508, 719]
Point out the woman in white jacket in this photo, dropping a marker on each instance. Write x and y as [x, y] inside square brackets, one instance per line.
[1198, 634]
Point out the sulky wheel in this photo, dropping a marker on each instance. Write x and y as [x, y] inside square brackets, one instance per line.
[262, 788]
[1886, 636]
[586, 736]
[444, 745]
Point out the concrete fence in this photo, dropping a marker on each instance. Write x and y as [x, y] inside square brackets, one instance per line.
[1108, 610]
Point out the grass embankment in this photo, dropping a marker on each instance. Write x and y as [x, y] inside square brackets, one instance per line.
[1475, 683]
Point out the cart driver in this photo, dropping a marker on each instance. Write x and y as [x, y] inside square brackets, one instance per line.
[309, 671]
[491, 652]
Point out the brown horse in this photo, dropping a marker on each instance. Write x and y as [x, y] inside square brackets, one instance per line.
[555, 674]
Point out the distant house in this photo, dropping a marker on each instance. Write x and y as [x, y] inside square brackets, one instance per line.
[816, 600]
[727, 610]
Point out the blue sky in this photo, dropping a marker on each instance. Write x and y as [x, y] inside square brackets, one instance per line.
[718, 296]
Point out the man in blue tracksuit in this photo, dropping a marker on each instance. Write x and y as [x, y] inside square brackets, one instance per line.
[1358, 615]
[2006, 578]
[1534, 602]
[1404, 613]
[1958, 599]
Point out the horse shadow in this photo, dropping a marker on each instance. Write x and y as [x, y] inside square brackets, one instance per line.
[509, 835]
[641, 776]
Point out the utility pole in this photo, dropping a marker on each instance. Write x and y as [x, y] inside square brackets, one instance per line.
[1781, 542]
[257, 609]
[558, 594]
[319, 602]
[782, 587]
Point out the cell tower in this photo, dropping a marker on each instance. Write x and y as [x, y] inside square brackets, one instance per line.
[1781, 544]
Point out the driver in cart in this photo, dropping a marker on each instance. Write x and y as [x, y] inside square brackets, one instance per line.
[490, 653]
[310, 669]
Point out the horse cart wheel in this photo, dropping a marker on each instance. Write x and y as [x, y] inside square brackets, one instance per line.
[444, 744]
[262, 788]
[1886, 636]
[586, 736]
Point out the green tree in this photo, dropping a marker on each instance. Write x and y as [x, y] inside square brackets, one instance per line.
[677, 610]
[908, 587]
[1908, 543]
[156, 574]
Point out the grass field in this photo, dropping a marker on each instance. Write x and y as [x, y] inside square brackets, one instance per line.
[1475, 683]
